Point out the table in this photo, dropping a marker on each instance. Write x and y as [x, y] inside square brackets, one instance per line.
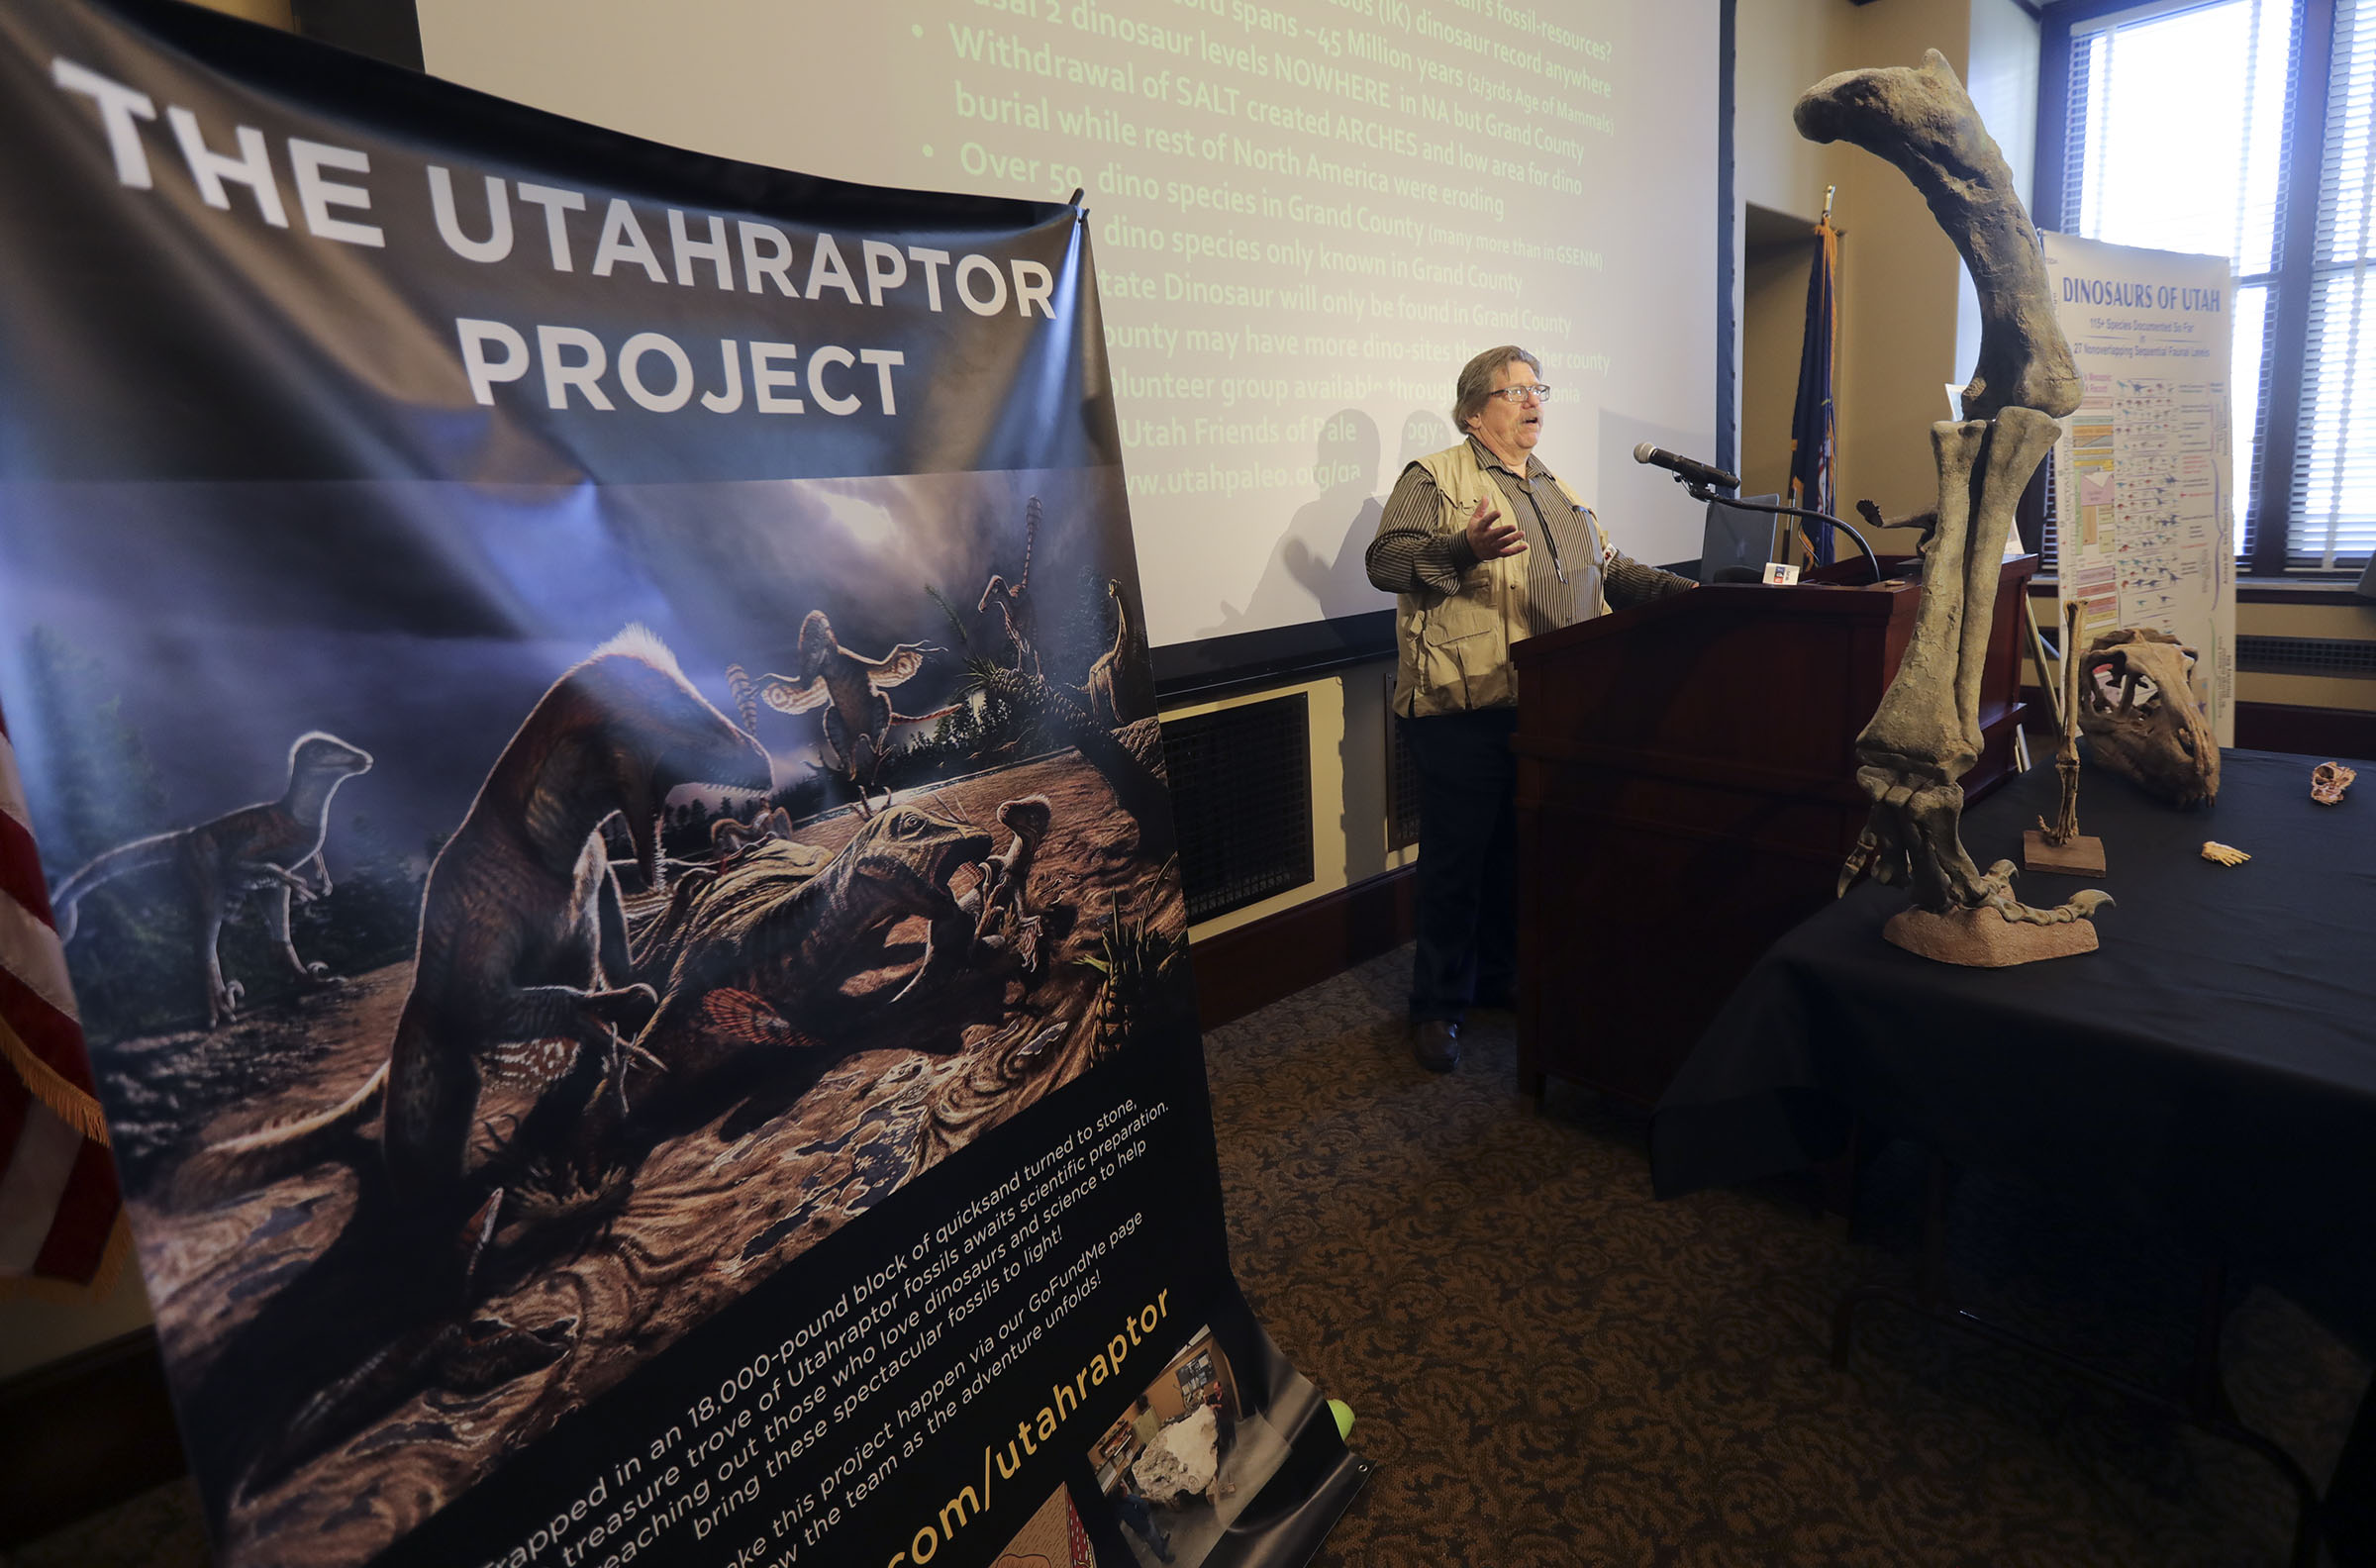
[2212, 1066]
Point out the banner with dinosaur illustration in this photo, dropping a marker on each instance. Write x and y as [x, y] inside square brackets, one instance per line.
[585, 712]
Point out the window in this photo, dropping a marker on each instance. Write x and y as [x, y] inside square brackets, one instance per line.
[2241, 128]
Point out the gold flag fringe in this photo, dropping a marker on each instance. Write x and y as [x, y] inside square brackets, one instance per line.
[73, 1106]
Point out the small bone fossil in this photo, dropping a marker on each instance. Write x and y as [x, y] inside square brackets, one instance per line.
[2328, 780]
[2224, 854]
[1926, 735]
[2159, 742]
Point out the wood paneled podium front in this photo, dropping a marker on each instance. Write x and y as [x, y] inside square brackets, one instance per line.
[1687, 793]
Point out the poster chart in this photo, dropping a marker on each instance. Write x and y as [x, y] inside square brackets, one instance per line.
[2144, 473]
[587, 715]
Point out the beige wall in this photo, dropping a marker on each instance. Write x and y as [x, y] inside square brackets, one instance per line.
[1773, 316]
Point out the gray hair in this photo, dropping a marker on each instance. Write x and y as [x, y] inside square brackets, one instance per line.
[1476, 381]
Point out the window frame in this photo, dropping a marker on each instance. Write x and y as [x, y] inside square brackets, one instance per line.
[2286, 328]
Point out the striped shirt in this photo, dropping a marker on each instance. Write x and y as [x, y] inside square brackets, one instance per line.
[1564, 558]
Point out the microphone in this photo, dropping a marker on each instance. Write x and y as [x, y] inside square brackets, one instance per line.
[1686, 468]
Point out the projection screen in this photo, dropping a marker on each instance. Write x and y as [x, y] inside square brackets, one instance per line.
[1307, 215]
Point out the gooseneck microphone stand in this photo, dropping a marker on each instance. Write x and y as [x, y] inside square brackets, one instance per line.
[1705, 493]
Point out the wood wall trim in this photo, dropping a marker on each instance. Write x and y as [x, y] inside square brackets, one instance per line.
[1253, 965]
[83, 1434]
[2310, 732]
[2343, 733]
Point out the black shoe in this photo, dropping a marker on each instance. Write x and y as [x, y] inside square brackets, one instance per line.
[1435, 1044]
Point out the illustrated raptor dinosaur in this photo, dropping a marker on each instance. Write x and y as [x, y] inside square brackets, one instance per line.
[1001, 919]
[849, 688]
[1014, 608]
[523, 960]
[1121, 686]
[265, 849]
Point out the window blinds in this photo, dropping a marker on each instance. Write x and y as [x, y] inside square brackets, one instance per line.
[2181, 124]
[2334, 511]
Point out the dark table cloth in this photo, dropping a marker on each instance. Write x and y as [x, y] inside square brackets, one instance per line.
[2212, 1064]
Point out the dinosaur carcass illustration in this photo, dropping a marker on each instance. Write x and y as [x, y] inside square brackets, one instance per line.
[849, 688]
[752, 956]
[1926, 735]
[264, 850]
[2160, 741]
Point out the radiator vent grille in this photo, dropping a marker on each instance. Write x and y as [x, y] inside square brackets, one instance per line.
[2283, 656]
[1242, 791]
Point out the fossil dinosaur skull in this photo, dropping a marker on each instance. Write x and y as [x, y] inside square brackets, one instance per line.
[2328, 780]
[2160, 740]
[1926, 735]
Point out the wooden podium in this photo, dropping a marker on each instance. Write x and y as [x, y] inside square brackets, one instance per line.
[1687, 793]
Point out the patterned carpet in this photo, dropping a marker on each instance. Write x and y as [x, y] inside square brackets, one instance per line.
[1553, 1369]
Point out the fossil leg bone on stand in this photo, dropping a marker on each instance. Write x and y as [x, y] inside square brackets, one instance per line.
[1926, 735]
[2066, 755]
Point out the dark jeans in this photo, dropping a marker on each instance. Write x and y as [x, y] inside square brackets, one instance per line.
[1137, 1512]
[1467, 860]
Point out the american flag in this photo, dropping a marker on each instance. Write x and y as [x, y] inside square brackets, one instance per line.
[1813, 422]
[61, 1218]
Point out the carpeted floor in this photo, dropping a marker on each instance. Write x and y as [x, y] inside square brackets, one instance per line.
[1552, 1369]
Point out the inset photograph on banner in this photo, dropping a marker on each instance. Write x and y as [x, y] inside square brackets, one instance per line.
[1186, 1459]
[831, 815]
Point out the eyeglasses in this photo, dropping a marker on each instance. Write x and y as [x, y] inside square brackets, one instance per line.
[1519, 394]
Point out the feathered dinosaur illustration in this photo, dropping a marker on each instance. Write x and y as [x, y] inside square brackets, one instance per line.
[264, 849]
[1014, 608]
[849, 688]
[1121, 686]
[523, 963]
[1001, 918]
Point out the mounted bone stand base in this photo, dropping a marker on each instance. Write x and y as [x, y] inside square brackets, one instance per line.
[1926, 735]
[1983, 938]
[2082, 856]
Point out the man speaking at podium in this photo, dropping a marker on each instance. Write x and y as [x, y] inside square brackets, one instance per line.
[1482, 545]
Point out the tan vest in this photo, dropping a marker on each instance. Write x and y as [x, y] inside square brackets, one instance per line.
[1453, 651]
